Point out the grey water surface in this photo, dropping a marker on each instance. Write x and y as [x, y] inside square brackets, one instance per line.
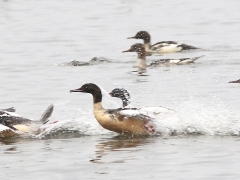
[40, 40]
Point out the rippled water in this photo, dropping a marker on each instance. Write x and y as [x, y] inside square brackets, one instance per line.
[40, 39]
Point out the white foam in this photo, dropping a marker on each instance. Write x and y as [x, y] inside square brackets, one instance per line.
[194, 118]
[157, 112]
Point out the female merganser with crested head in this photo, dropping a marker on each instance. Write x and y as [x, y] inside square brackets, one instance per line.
[123, 121]
[141, 63]
[21, 124]
[156, 111]
[160, 47]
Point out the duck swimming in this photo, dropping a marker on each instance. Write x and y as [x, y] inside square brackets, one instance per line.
[141, 63]
[160, 47]
[12, 121]
[237, 81]
[155, 112]
[123, 121]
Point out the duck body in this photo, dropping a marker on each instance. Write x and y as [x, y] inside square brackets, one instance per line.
[153, 112]
[180, 61]
[123, 121]
[161, 47]
[169, 47]
[17, 123]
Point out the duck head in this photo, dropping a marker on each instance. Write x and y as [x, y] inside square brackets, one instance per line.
[92, 89]
[122, 94]
[138, 48]
[144, 35]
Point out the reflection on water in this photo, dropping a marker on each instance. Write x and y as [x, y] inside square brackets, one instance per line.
[119, 143]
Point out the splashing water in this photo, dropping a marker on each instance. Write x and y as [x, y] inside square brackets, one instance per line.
[191, 118]
[200, 119]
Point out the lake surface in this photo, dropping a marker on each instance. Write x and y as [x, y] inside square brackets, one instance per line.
[39, 39]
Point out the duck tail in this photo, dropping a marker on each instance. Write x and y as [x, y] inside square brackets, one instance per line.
[48, 112]
[187, 47]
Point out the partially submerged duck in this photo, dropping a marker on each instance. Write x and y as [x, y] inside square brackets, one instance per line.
[141, 62]
[155, 111]
[161, 47]
[123, 121]
[15, 123]
[237, 81]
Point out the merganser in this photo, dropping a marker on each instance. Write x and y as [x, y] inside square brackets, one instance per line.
[122, 94]
[21, 124]
[141, 63]
[156, 111]
[161, 47]
[237, 81]
[123, 121]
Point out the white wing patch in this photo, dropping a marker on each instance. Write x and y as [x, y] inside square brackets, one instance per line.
[129, 112]
[174, 61]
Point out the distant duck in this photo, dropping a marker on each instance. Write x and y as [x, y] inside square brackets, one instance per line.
[155, 111]
[12, 109]
[237, 81]
[123, 121]
[161, 47]
[21, 124]
[141, 63]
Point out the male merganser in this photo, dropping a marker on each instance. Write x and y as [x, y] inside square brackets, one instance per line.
[161, 47]
[141, 63]
[156, 111]
[123, 121]
[237, 81]
[17, 123]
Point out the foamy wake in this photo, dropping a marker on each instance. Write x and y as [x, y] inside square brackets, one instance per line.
[190, 118]
[193, 118]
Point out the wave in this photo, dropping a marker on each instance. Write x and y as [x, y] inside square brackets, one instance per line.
[190, 118]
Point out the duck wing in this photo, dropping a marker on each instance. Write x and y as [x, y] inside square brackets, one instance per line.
[161, 44]
[47, 113]
[133, 114]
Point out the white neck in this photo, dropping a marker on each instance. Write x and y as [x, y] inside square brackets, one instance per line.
[147, 46]
[141, 65]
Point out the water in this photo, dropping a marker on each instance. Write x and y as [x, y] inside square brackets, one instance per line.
[201, 141]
